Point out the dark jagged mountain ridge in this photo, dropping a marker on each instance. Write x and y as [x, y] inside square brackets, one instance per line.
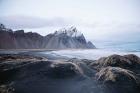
[62, 39]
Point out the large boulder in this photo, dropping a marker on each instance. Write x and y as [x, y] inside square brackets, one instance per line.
[133, 58]
[118, 80]
[63, 70]
[126, 61]
[116, 74]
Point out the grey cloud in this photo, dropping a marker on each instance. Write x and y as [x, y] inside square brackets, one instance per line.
[17, 22]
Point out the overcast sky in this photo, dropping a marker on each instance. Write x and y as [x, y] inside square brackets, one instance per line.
[97, 19]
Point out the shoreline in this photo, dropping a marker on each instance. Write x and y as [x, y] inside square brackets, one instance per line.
[92, 54]
[42, 49]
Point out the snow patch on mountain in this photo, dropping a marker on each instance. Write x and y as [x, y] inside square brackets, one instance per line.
[72, 32]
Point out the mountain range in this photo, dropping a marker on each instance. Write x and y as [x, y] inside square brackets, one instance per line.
[69, 38]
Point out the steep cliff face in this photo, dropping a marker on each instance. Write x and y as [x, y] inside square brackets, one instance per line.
[28, 40]
[68, 38]
[62, 39]
[20, 40]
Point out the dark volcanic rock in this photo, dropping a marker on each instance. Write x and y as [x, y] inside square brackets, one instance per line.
[41, 76]
[6, 89]
[10, 64]
[30, 74]
[118, 80]
[84, 65]
[133, 58]
[19, 58]
[115, 61]
[116, 74]
[63, 70]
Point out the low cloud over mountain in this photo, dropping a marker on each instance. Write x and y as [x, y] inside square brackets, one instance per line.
[20, 22]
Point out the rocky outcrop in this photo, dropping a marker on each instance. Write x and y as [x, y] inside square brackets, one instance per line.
[118, 80]
[126, 61]
[63, 70]
[27, 76]
[117, 75]
[20, 73]
[134, 59]
[19, 58]
[6, 89]
[62, 39]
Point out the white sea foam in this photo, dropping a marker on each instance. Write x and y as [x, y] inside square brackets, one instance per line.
[88, 54]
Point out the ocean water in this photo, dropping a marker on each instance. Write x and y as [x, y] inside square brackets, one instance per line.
[119, 46]
[103, 49]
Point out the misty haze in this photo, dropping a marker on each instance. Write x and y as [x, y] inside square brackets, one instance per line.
[69, 46]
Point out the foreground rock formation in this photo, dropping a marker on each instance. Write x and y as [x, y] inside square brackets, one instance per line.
[33, 74]
[118, 80]
[118, 74]
[127, 61]
[63, 70]
[62, 39]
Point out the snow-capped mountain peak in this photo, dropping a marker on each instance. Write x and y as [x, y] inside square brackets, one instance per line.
[72, 32]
